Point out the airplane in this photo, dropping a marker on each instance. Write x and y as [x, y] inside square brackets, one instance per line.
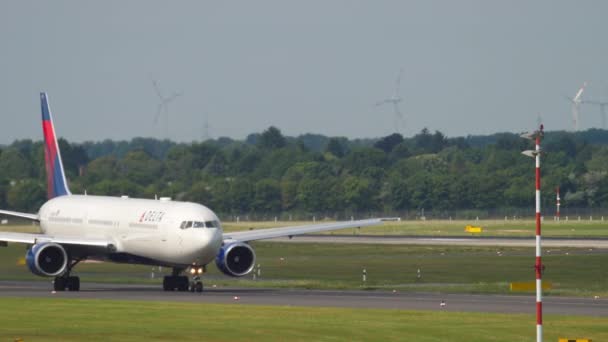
[184, 236]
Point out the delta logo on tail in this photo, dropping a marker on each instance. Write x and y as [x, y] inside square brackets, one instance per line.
[56, 181]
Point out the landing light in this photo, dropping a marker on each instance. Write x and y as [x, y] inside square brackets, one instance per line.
[192, 271]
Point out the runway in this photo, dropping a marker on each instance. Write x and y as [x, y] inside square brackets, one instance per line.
[317, 298]
[446, 241]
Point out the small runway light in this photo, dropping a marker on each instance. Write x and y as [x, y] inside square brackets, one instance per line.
[442, 304]
[236, 298]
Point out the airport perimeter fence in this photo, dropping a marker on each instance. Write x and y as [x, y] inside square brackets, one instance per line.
[582, 214]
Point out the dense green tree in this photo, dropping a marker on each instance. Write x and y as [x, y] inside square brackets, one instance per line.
[242, 192]
[316, 174]
[74, 157]
[118, 187]
[271, 139]
[267, 196]
[101, 168]
[140, 168]
[336, 147]
[388, 143]
[25, 195]
[357, 194]
[14, 165]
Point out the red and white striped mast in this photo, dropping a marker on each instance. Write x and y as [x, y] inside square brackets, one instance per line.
[538, 266]
[557, 203]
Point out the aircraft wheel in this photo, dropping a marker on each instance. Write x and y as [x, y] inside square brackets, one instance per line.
[199, 287]
[182, 283]
[73, 284]
[168, 283]
[59, 284]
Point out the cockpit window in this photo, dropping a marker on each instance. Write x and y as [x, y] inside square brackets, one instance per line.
[198, 224]
[211, 224]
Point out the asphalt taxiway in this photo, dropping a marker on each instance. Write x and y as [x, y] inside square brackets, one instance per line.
[318, 298]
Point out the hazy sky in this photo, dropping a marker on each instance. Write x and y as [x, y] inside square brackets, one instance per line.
[470, 67]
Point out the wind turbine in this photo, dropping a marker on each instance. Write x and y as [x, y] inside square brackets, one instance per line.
[602, 105]
[394, 100]
[576, 105]
[163, 106]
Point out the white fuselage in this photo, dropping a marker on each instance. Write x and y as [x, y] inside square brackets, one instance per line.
[150, 229]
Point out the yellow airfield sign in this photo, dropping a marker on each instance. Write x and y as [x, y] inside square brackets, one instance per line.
[529, 286]
[473, 229]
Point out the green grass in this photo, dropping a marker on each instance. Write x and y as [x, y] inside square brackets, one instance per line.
[105, 320]
[573, 272]
[510, 228]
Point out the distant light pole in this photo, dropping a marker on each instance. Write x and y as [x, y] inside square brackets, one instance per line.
[557, 203]
[537, 136]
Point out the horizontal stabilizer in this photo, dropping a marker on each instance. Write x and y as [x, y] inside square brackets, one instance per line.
[33, 217]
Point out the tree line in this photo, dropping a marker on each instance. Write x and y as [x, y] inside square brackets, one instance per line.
[270, 173]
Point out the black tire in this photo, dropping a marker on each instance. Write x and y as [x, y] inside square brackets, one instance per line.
[199, 287]
[59, 284]
[73, 284]
[182, 283]
[168, 283]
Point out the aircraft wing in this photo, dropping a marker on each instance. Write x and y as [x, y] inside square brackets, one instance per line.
[261, 234]
[33, 217]
[32, 238]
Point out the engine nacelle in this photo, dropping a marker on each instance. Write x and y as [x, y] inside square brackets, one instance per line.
[235, 259]
[47, 259]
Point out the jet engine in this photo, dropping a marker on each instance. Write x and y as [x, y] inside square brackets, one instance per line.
[47, 259]
[235, 259]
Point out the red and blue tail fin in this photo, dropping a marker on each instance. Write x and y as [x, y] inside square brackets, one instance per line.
[55, 175]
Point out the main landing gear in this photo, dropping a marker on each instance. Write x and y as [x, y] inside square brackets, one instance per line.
[181, 283]
[66, 281]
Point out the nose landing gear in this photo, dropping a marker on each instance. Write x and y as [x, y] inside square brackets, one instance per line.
[196, 285]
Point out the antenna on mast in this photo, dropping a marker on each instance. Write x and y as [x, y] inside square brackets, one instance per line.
[206, 128]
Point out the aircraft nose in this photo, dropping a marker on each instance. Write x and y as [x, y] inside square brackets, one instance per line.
[200, 237]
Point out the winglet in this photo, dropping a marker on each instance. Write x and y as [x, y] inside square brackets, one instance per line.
[55, 175]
